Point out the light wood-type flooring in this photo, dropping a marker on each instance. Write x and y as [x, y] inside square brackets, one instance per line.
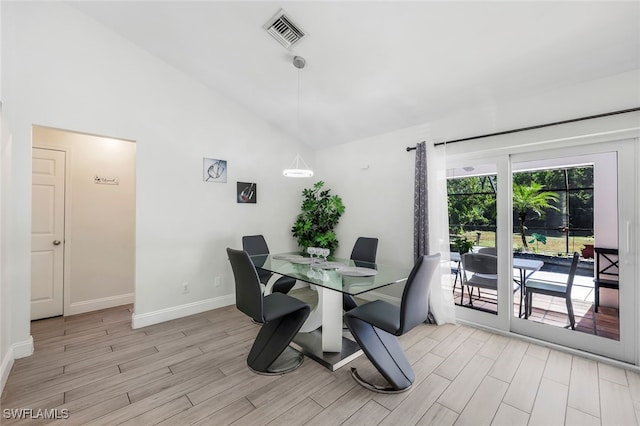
[193, 371]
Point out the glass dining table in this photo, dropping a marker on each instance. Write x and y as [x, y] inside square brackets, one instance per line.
[321, 337]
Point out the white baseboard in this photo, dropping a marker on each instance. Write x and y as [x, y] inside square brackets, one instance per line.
[97, 304]
[17, 350]
[174, 312]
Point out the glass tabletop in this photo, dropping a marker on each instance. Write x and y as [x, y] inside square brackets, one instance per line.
[343, 275]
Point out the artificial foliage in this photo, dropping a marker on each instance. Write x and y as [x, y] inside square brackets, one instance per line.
[319, 215]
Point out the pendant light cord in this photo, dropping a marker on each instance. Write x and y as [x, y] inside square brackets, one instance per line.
[298, 115]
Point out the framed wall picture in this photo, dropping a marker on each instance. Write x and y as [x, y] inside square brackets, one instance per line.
[247, 192]
[214, 170]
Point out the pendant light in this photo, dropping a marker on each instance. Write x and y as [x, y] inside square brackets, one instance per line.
[298, 170]
[298, 167]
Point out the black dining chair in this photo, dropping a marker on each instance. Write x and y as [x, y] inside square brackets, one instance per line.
[256, 245]
[364, 250]
[376, 324]
[554, 289]
[281, 317]
[607, 271]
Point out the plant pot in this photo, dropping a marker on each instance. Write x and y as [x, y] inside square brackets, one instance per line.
[587, 251]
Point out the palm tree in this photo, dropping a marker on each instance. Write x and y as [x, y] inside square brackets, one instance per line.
[531, 197]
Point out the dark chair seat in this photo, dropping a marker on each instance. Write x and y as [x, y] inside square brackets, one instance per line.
[382, 314]
[375, 326]
[607, 283]
[277, 305]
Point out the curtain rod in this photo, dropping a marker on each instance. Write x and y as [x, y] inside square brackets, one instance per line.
[539, 126]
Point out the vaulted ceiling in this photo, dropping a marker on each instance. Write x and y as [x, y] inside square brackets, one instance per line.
[375, 67]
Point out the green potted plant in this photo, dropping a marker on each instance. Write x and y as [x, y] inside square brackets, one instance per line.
[320, 213]
[462, 245]
[587, 250]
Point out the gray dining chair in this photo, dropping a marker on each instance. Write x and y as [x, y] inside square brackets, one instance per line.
[554, 289]
[488, 250]
[376, 325]
[364, 250]
[483, 270]
[256, 245]
[281, 317]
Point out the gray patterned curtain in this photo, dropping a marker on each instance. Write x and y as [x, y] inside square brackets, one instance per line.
[420, 214]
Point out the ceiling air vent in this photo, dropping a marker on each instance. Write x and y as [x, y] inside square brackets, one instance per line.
[284, 30]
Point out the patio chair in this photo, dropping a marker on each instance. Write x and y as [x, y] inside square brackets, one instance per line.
[607, 274]
[484, 273]
[554, 289]
[488, 250]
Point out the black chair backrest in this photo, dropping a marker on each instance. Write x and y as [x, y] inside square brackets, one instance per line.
[365, 249]
[607, 263]
[572, 272]
[255, 244]
[414, 307]
[248, 292]
[479, 263]
[488, 250]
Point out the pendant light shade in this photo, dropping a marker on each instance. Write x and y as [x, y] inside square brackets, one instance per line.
[298, 168]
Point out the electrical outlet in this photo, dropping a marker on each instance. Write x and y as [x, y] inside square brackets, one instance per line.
[185, 287]
[217, 282]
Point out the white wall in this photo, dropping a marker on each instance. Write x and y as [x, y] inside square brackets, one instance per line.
[63, 70]
[99, 219]
[374, 177]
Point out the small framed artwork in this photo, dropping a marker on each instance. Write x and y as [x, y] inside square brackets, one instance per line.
[247, 192]
[214, 170]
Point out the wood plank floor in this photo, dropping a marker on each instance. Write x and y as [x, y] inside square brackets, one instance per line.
[192, 371]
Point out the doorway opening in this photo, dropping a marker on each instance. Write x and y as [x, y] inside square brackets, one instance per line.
[83, 218]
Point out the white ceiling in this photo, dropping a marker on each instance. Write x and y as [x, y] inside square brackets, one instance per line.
[375, 67]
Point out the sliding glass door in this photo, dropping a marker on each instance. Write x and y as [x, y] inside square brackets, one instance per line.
[533, 210]
[475, 195]
[578, 200]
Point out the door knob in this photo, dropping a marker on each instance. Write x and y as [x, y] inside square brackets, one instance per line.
[56, 242]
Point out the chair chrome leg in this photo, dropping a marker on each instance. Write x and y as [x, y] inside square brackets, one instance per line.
[289, 360]
[384, 352]
[375, 388]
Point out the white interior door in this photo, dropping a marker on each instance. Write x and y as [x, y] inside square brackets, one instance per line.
[47, 233]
